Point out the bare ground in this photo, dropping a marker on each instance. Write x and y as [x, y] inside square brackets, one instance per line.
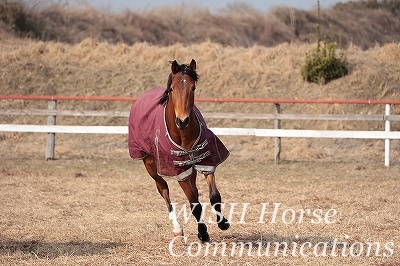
[106, 211]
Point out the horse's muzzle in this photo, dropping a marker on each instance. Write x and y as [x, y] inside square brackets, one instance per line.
[182, 124]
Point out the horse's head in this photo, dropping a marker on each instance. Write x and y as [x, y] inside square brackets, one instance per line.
[180, 91]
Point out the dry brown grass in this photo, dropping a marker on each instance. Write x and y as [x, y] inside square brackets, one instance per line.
[31, 67]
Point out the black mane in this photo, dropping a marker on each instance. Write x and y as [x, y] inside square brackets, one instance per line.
[185, 69]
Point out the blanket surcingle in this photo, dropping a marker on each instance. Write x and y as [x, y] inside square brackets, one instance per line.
[148, 134]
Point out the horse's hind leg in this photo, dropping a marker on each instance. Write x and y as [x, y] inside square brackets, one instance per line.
[162, 187]
[215, 200]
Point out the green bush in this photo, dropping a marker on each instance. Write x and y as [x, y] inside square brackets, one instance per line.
[323, 64]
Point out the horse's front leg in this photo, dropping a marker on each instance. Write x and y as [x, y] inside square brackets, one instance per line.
[163, 189]
[215, 200]
[189, 188]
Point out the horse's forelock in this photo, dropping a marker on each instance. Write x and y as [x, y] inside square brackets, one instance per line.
[192, 73]
[185, 69]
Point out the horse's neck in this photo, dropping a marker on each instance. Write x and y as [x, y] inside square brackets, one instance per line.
[184, 138]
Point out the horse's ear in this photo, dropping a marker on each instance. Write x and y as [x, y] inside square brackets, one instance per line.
[193, 65]
[175, 67]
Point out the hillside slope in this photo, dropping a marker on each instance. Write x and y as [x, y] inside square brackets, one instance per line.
[92, 68]
[360, 23]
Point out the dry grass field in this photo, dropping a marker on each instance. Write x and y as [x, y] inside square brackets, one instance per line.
[93, 205]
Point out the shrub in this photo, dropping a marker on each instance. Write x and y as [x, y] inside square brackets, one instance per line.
[323, 64]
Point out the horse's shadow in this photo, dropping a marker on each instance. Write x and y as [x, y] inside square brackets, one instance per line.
[41, 249]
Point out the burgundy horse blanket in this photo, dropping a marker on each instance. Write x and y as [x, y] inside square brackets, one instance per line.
[148, 134]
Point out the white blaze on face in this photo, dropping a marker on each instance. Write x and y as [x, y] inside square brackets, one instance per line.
[183, 114]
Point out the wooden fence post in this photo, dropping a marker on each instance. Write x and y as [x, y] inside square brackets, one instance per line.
[387, 141]
[277, 125]
[51, 137]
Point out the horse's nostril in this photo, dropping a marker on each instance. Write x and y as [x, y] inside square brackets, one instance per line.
[182, 124]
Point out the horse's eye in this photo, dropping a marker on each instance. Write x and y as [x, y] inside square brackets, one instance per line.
[193, 88]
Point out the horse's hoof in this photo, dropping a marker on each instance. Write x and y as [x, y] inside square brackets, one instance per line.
[203, 238]
[224, 224]
[178, 233]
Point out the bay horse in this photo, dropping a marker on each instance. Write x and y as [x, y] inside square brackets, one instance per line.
[168, 132]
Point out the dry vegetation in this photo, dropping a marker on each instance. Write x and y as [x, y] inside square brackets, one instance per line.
[94, 206]
[364, 24]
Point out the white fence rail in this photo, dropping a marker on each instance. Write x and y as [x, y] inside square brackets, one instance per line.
[258, 132]
[51, 129]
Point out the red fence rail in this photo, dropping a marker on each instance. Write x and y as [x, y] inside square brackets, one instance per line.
[222, 100]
